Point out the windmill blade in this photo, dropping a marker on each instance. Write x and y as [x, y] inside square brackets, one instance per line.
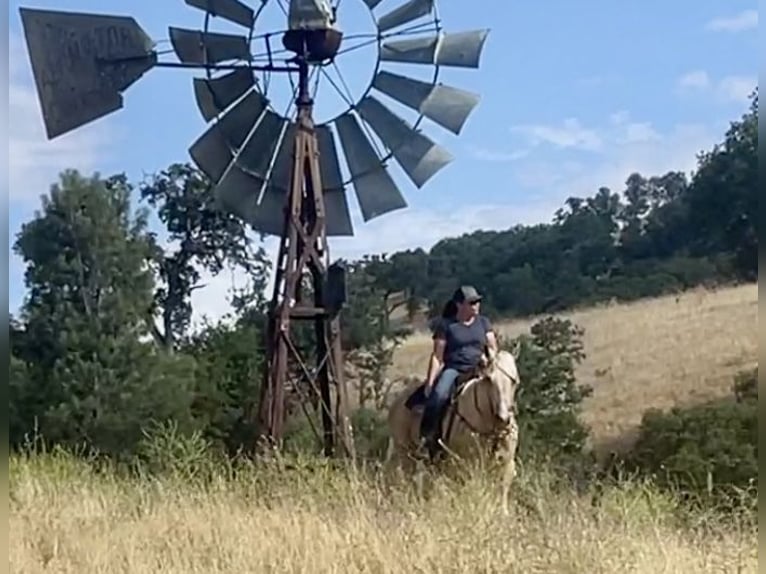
[375, 190]
[82, 63]
[419, 157]
[211, 153]
[213, 150]
[198, 47]
[231, 10]
[282, 172]
[457, 50]
[214, 96]
[337, 216]
[371, 3]
[261, 148]
[408, 12]
[447, 106]
[240, 119]
[237, 193]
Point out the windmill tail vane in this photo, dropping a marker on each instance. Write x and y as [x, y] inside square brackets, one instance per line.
[261, 162]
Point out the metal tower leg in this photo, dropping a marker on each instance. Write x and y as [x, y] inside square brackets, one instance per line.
[304, 247]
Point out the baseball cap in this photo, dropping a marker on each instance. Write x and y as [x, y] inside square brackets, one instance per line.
[466, 293]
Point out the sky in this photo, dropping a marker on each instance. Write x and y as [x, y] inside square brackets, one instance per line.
[573, 96]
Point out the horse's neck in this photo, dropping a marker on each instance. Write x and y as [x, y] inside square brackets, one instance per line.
[473, 395]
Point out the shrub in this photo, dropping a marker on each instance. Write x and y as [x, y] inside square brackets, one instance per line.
[708, 453]
[549, 400]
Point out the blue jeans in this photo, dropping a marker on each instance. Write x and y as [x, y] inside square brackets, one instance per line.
[437, 400]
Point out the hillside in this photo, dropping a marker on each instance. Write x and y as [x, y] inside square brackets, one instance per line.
[673, 350]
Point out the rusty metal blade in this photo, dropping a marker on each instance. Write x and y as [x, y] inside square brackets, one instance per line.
[70, 54]
[211, 153]
[447, 106]
[405, 13]
[376, 191]
[259, 153]
[238, 192]
[419, 157]
[462, 49]
[214, 150]
[338, 218]
[231, 10]
[214, 96]
[198, 47]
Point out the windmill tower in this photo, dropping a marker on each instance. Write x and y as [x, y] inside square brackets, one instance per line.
[279, 173]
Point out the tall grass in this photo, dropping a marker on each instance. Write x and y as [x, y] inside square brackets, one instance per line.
[294, 515]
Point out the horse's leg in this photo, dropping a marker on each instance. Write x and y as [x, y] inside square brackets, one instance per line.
[508, 445]
[389, 451]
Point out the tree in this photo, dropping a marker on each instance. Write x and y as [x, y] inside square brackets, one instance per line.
[549, 399]
[723, 196]
[230, 361]
[83, 372]
[200, 236]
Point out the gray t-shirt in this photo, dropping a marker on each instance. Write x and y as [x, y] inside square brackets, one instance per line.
[464, 343]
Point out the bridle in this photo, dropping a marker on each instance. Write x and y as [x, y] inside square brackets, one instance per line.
[495, 432]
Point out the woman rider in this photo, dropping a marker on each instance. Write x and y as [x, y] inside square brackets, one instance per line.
[460, 338]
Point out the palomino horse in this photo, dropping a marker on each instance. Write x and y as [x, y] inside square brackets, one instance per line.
[483, 406]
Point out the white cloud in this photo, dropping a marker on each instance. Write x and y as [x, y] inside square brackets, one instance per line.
[733, 88]
[699, 79]
[639, 132]
[632, 132]
[619, 118]
[486, 154]
[570, 134]
[631, 147]
[34, 161]
[737, 88]
[745, 20]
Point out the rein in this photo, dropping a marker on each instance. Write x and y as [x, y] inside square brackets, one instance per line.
[456, 412]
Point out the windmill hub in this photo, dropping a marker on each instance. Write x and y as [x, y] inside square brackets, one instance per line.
[312, 33]
[316, 46]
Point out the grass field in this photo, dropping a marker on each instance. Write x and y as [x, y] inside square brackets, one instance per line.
[65, 518]
[653, 353]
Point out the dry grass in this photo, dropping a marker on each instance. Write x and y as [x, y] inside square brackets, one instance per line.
[65, 518]
[656, 353]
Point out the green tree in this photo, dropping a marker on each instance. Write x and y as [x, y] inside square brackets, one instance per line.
[87, 375]
[230, 359]
[549, 399]
[200, 236]
[723, 196]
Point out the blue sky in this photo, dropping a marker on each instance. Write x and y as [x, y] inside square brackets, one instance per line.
[574, 95]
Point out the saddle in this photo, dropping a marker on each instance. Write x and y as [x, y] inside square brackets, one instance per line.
[418, 397]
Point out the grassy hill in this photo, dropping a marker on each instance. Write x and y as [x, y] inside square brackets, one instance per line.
[69, 515]
[675, 350]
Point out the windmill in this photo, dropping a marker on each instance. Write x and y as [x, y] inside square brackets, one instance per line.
[279, 173]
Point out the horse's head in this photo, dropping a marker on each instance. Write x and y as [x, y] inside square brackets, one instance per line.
[501, 376]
